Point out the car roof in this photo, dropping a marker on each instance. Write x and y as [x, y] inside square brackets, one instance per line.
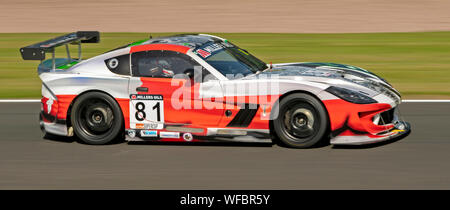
[189, 40]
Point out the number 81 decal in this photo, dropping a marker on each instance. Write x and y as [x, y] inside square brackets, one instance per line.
[146, 111]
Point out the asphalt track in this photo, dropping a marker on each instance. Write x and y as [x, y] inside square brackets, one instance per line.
[418, 161]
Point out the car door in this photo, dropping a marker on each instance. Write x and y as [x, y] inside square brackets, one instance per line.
[162, 94]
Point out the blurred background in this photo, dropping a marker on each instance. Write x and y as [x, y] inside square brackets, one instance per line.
[405, 41]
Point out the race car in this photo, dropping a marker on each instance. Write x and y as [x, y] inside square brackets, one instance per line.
[200, 87]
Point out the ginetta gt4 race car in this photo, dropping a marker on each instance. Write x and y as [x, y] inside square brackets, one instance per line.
[199, 87]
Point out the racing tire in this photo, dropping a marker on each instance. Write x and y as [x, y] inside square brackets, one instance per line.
[302, 121]
[96, 118]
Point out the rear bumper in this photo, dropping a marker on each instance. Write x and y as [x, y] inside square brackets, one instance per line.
[58, 127]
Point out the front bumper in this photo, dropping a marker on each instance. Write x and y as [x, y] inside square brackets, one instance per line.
[355, 124]
[369, 139]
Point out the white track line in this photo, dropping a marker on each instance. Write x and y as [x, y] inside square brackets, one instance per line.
[426, 101]
[20, 101]
[404, 101]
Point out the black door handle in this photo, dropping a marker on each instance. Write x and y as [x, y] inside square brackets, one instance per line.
[142, 89]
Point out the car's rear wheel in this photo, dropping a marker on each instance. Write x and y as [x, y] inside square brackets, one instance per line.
[301, 122]
[96, 118]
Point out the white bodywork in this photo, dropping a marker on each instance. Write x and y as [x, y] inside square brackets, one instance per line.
[93, 74]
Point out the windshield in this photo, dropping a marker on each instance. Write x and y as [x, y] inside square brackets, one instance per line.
[229, 59]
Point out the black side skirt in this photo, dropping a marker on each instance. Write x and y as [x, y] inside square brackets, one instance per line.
[245, 116]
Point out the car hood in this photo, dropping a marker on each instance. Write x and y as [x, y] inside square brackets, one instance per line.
[328, 72]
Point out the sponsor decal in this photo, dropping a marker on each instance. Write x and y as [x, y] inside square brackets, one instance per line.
[397, 131]
[153, 126]
[146, 97]
[213, 47]
[173, 135]
[243, 52]
[148, 126]
[131, 133]
[188, 137]
[203, 53]
[139, 126]
[149, 133]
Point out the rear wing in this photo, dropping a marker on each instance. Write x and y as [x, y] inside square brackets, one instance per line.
[37, 51]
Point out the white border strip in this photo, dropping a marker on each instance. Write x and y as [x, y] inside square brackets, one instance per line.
[404, 101]
[20, 101]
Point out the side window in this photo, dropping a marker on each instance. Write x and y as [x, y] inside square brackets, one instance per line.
[163, 64]
[119, 65]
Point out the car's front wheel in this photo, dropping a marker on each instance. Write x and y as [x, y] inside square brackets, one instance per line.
[96, 118]
[302, 121]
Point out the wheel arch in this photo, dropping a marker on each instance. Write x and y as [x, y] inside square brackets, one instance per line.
[271, 128]
[69, 110]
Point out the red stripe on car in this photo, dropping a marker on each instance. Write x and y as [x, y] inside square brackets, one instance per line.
[171, 47]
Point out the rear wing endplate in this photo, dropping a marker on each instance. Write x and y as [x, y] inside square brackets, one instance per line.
[37, 51]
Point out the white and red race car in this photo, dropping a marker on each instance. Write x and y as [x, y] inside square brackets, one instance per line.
[198, 87]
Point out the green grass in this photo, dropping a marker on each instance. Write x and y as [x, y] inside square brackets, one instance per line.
[417, 64]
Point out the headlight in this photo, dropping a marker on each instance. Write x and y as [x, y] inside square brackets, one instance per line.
[350, 95]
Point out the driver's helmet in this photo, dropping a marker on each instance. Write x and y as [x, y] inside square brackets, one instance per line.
[164, 64]
[165, 67]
